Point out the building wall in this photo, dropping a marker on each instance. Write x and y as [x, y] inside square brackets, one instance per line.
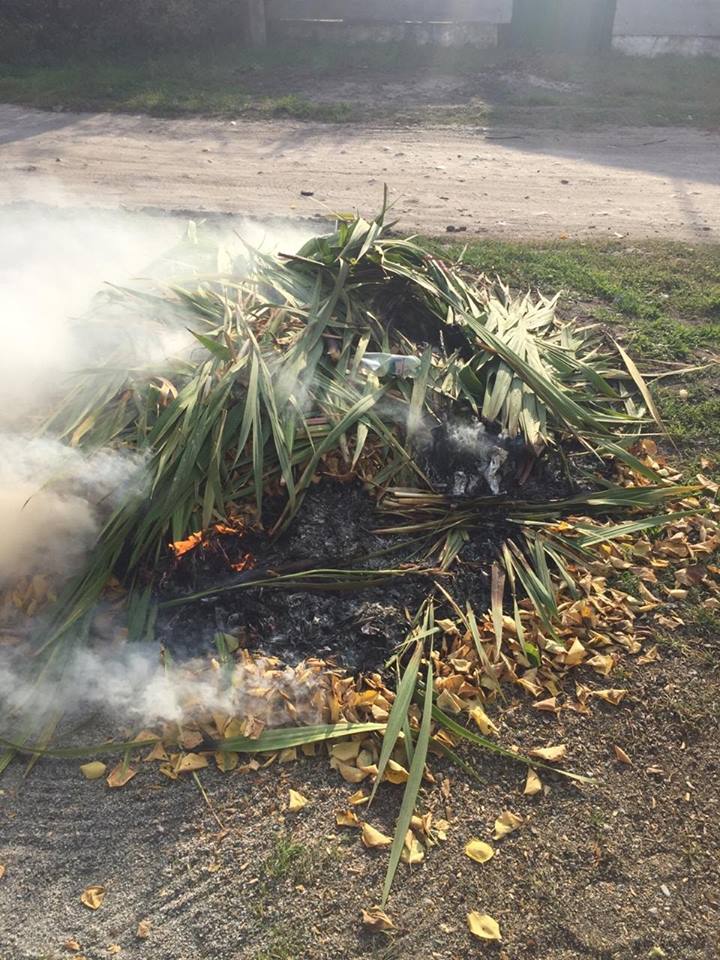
[481, 35]
[668, 18]
[392, 11]
[654, 27]
[445, 23]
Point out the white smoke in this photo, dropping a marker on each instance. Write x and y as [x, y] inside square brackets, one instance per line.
[54, 260]
[131, 683]
[53, 500]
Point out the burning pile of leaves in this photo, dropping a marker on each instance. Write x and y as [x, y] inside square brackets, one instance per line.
[361, 359]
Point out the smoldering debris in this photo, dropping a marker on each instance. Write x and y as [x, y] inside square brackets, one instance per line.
[132, 683]
[472, 453]
[305, 444]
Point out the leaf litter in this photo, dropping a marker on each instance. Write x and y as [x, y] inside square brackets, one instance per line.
[93, 896]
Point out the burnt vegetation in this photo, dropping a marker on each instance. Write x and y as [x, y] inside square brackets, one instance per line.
[368, 457]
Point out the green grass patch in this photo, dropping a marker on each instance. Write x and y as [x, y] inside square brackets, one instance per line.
[287, 861]
[338, 83]
[282, 943]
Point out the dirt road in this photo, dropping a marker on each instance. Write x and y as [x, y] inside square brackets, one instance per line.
[641, 183]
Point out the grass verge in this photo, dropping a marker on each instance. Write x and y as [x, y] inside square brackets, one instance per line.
[380, 83]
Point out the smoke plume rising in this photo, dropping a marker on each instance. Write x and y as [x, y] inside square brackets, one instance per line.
[53, 500]
[53, 262]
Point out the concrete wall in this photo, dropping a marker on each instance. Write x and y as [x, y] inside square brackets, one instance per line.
[668, 18]
[480, 35]
[392, 11]
[654, 27]
[445, 23]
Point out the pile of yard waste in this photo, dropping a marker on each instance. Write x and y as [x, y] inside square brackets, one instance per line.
[375, 495]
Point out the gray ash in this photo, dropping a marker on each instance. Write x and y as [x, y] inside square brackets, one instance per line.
[357, 628]
[466, 458]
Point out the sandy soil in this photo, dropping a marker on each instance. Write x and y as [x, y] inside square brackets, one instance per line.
[625, 869]
[648, 182]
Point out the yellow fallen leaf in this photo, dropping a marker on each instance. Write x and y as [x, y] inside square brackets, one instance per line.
[483, 721]
[395, 772]
[412, 851]
[549, 705]
[147, 736]
[347, 750]
[613, 696]
[189, 762]
[602, 663]
[93, 770]
[347, 818]
[351, 774]
[190, 739]
[158, 752]
[234, 728]
[479, 851]
[576, 654]
[2, 870]
[143, 930]
[297, 801]
[72, 945]
[549, 754]
[288, 755]
[93, 896]
[422, 824]
[440, 829]
[483, 926]
[533, 784]
[253, 727]
[365, 760]
[114, 948]
[505, 824]
[364, 698]
[373, 838]
[622, 756]
[227, 760]
[462, 666]
[449, 703]
[358, 798]
[377, 920]
[120, 775]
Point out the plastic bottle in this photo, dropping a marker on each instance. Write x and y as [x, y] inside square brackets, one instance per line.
[394, 364]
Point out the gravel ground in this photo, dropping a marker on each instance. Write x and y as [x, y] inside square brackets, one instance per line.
[612, 871]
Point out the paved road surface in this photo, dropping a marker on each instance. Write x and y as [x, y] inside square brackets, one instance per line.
[648, 182]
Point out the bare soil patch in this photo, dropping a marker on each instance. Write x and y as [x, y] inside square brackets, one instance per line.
[659, 183]
[609, 871]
